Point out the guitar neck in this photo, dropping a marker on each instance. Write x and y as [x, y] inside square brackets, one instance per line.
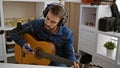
[66, 61]
[57, 59]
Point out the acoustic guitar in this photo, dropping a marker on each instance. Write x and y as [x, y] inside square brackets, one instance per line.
[44, 53]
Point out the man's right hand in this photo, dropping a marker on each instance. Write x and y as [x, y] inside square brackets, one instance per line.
[27, 48]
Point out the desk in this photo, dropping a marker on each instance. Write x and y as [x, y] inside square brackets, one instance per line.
[10, 65]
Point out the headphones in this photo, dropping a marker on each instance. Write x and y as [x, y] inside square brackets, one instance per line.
[65, 17]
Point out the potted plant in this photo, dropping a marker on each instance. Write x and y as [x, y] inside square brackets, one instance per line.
[110, 46]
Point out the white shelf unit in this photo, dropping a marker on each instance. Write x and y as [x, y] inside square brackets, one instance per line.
[89, 16]
[2, 38]
[91, 40]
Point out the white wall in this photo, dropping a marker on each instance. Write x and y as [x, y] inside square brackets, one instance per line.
[118, 4]
[19, 9]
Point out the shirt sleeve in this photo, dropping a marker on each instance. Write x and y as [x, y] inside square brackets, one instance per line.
[69, 48]
[17, 36]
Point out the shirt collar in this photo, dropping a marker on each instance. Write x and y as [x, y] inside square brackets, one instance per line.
[60, 32]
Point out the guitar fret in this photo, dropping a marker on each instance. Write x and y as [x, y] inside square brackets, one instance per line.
[57, 58]
[64, 61]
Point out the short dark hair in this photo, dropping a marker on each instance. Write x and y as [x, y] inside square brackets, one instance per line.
[58, 11]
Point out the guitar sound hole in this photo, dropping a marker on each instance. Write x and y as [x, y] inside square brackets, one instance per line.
[38, 52]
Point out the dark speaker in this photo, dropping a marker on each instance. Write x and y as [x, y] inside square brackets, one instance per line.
[106, 23]
[86, 59]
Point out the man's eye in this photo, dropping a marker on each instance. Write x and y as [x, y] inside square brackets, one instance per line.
[47, 18]
[53, 22]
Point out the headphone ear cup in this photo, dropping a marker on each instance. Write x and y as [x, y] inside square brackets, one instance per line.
[47, 9]
[62, 21]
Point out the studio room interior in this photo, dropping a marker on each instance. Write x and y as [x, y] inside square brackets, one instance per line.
[60, 33]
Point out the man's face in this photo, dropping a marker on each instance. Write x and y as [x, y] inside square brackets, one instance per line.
[51, 22]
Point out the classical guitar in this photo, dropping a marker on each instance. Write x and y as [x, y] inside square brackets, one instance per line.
[44, 53]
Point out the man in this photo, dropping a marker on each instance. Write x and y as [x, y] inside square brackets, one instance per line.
[50, 28]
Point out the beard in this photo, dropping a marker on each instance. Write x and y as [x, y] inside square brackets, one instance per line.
[48, 28]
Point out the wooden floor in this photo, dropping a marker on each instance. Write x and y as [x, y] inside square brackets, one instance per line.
[10, 60]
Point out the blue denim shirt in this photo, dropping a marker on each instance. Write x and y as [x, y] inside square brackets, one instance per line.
[63, 39]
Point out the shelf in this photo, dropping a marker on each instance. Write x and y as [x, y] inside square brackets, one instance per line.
[105, 62]
[108, 59]
[88, 17]
[102, 39]
[10, 43]
[7, 28]
[111, 33]
[88, 28]
[89, 6]
[10, 54]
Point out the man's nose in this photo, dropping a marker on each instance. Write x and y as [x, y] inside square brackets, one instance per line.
[48, 22]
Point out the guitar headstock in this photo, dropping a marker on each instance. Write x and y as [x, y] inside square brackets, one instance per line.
[91, 65]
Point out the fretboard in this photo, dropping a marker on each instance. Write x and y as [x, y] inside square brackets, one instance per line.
[57, 59]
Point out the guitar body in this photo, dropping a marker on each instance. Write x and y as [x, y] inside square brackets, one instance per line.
[29, 58]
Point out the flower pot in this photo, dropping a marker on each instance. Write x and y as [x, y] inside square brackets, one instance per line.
[109, 52]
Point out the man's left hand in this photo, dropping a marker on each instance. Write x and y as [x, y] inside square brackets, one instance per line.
[75, 65]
